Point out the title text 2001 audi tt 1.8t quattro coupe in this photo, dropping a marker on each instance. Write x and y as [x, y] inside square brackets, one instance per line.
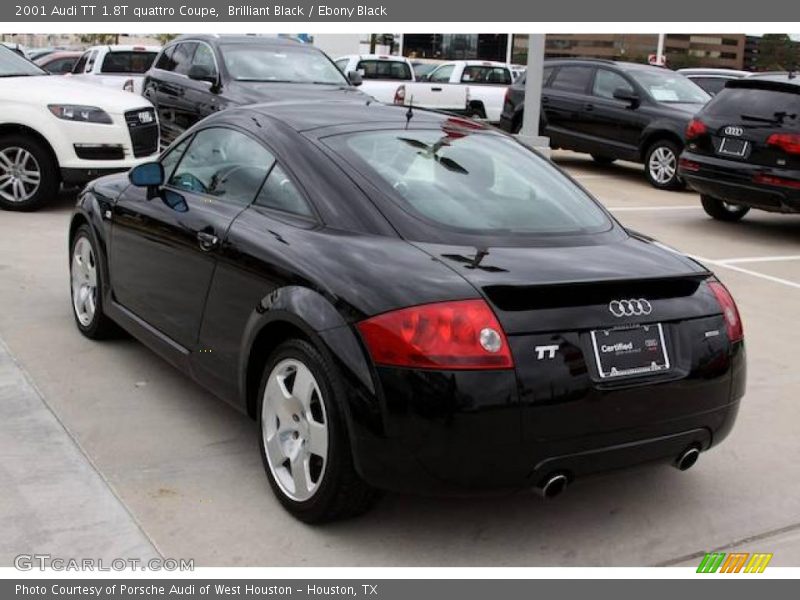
[406, 300]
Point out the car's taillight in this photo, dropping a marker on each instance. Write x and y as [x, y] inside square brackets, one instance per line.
[788, 142]
[733, 322]
[507, 97]
[464, 334]
[695, 129]
[400, 95]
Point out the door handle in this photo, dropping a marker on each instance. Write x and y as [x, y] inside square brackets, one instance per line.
[588, 107]
[436, 89]
[545, 100]
[208, 241]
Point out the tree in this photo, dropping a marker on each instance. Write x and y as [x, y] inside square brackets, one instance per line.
[777, 52]
[99, 39]
[163, 38]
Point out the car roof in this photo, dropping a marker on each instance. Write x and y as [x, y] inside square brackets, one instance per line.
[620, 64]
[124, 48]
[387, 57]
[315, 114]
[214, 38]
[714, 72]
[782, 76]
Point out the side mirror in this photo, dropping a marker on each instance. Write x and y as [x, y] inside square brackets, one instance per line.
[202, 73]
[627, 95]
[425, 77]
[354, 77]
[149, 174]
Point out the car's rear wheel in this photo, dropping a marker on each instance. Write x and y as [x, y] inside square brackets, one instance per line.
[661, 165]
[303, 436]
[86, 287]
[723, 211]
[602, 160]
[28, 173]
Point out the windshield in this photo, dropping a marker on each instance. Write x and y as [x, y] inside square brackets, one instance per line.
[285, 64]
[474, 182]
[13, 65]
[669, 87]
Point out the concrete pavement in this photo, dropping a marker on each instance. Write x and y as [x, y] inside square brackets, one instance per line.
[186, 466]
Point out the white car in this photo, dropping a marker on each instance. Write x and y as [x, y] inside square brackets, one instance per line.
[119, 66]
[54, 130]
[380, 74]
[486, 81]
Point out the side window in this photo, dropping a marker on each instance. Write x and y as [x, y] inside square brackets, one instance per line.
[572, 79]
[280, 193]
[342, 64]
[223, 163]
[60, 65]
[172, 157]
[547, 73]
[442, 74]
[80, 66]
[606, 82]
[90, 61]
[204, 57]
[182, 57]
[165, 62]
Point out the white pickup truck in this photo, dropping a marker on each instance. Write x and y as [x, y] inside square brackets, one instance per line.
[120, 66]
[380, 74]
[477, 87]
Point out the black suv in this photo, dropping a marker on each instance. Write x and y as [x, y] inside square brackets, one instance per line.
[743, 149]
[614, 110]
[197, 75]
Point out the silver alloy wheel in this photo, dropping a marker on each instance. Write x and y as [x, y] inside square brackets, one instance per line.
[294, 427]
[20, 174]
[83, 273]
[662, 165]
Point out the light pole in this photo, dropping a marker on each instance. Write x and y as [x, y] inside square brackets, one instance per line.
[529, 133]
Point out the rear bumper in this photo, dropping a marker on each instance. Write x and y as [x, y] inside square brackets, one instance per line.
[732, 181]
[462, 432]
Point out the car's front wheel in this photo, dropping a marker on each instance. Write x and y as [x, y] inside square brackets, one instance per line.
[723, 211]
[86, 287]
[661, 165]
[28, 173]
[303, 436]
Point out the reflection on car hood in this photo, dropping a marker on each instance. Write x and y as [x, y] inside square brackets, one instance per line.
[52, 89]
[252, 92]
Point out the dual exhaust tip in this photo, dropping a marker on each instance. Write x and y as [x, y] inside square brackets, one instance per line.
[556, 484]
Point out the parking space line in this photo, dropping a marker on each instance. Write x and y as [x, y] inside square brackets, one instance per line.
[727, 265]
[655, 208]
[759, 259]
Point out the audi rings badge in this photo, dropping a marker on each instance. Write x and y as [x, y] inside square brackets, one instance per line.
[635, 307]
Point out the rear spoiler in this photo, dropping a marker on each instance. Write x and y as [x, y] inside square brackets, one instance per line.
[764, 84]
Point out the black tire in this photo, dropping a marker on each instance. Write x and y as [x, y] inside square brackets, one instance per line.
[723, 211]
[42, 160]
[341, 493]
[602, 160]
[671, 149]
[99, 326]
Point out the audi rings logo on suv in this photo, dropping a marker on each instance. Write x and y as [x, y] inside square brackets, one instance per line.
[733, 131]
[630, 308]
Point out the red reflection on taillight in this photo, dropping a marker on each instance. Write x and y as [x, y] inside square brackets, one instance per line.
[688, 165]
[778, 181]
[464, 334]
[695, 129]
[788, 142]
[733, 322]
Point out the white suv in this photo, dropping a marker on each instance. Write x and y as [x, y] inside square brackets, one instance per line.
[53, 130]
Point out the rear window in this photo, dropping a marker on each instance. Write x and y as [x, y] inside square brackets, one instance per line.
[384, 69]
[740, 103]
[474, 183]
[128, 62]
[713, 85]
[486, 74]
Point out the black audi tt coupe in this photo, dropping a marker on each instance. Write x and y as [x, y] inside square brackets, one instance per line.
[406, 300]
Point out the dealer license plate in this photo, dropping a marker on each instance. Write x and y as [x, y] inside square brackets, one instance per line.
[639, 350]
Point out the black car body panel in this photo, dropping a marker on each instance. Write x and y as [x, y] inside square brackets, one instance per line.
[216, 314]
[764, 176]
